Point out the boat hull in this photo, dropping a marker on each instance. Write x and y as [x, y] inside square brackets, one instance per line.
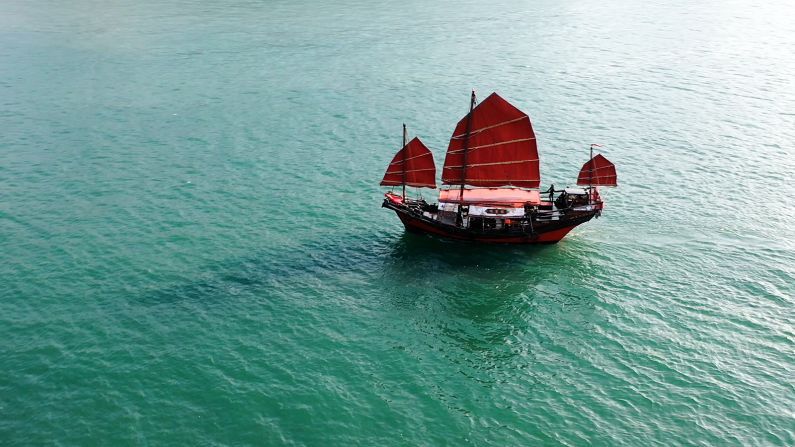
[549, 232]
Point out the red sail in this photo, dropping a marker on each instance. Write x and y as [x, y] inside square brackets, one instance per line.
[598, 171]
[413, 165]
[500, 148]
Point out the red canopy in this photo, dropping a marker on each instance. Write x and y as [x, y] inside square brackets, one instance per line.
[598, 171]
[413, 165]
[499, 148]
[506, 196]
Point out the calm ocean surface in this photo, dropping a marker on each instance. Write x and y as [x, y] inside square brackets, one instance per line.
[192, 249]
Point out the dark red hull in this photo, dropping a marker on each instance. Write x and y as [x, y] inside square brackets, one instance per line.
[549, 232]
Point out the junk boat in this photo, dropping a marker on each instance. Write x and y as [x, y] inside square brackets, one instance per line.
[491, 180]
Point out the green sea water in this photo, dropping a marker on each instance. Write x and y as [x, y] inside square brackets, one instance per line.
[192, 249]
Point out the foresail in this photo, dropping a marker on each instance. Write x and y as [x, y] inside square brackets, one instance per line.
[493, 146]
[413, 166]
[598, 171]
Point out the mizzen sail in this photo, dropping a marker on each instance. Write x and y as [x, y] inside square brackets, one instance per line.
[598, 171]
[494, 145]
[412, 166]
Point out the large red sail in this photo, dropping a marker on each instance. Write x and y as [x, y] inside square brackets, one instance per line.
[493, 146]
[413, 166]
[598, 171]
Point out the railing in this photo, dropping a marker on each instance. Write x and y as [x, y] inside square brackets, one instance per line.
[419, 206]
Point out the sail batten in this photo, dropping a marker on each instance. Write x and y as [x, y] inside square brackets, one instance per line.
[476, 131]
[400, 162]
[598, 171]
[469, 165]
[410, 170]
[412, 166]
[472, 148]
[494, 145]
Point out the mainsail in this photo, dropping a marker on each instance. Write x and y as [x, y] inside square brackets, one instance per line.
[412, 166]
[494, 145]
[597, 171]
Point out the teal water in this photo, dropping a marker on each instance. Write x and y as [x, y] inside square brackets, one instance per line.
[192, 250]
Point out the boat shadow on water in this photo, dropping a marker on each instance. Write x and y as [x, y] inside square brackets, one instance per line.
[476, 302]
[402, 268]
[472, 278]
[461, 254]
[490, 307]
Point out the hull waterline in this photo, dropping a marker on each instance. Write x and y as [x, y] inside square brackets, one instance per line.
[544, 232]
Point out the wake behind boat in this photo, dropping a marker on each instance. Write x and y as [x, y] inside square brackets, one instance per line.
[491, 179]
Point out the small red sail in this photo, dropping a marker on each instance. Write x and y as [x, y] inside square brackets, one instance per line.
[413, 166]
[499, 148]
[598, 171]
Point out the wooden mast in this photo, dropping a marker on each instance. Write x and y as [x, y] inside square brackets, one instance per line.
[590, 175]
[464, 164]
[404, 161]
